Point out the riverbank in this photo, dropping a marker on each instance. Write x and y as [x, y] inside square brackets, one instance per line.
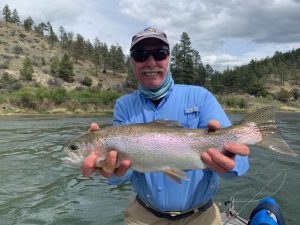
[16, 111]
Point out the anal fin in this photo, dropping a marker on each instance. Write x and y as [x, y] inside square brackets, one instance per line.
[175, 174]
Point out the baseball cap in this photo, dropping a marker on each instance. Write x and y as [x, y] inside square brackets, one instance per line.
[149, 32]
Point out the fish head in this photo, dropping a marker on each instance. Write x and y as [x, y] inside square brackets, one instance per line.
[79, 148]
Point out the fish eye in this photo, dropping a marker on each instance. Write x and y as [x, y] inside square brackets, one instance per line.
[74, 147]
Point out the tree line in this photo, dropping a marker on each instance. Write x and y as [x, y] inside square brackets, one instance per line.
[185, 63]
[74, 47]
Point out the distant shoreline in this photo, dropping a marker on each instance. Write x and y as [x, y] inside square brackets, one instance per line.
[109, 112]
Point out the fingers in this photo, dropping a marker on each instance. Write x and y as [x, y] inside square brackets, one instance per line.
[217, 161]
[224, 161]
[93, 127]
[206, 157]
[213, 125]
[88, 165]
[108, 166]
[237, 149]
[122, 169]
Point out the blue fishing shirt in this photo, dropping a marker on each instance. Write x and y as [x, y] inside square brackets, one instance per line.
[193, 107]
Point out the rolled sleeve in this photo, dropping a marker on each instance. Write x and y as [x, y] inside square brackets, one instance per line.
[117, 180]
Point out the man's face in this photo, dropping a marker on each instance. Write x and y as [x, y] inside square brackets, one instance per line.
[151, 73]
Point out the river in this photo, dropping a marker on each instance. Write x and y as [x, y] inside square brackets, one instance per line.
[36, 187]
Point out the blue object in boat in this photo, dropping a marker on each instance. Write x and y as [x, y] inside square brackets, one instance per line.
[267, 212]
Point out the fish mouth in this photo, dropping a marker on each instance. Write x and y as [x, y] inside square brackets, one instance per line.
[72, 158]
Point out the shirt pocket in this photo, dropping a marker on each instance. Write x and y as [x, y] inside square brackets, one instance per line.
[192, 116]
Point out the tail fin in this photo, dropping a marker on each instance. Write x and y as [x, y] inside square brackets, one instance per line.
[264, 118]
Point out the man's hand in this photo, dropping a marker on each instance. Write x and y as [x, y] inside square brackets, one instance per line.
[108, 167]
[223, 161]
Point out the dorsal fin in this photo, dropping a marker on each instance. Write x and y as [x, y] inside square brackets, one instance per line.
[166, 123]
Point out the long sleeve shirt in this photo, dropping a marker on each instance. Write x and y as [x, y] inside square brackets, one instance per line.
[193, 107]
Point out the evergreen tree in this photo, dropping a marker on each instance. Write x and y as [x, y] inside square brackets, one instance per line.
[6, 14]
[54, 65]
[52, 36]
[105, 56]
[216, 83]
[15, 17]
[78, 49]
[131, 81]
[174, 62]
[116, 58]
[27, 70]
[89, 50]
[28, 23]
[65, 70]
[97, 56]
[69, 44]
[199, 70]
[184, 72]
[63, 37]
[40, 29]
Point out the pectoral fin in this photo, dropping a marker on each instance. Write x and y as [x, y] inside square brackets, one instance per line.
[175, 174]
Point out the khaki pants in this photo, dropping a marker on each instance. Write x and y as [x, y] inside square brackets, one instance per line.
[136, 214]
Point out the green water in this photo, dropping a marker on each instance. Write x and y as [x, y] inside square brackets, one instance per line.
[37, 188]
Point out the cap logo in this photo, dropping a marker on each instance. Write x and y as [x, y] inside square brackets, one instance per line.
[150, 29]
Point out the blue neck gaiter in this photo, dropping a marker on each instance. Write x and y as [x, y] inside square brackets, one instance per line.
[159, 92]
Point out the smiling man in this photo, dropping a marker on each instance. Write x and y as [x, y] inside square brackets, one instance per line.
[159, 199]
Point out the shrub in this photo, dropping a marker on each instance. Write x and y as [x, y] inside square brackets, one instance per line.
[26, 98]
[21, 35]
[87, 81]
[295, 92]
[283, 95]
[18, 50]
[4, 65]
[55, 82]
[235, 102]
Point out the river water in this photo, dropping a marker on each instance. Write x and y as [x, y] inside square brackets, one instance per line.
[37, 188]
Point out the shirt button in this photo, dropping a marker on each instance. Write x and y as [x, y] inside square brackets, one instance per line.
[159, 189]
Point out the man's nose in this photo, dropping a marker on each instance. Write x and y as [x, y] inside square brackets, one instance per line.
[150, 61]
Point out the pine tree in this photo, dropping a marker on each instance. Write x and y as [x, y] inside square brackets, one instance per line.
[15, 17]
[40, 29]
[131, 81]
[97, 56]
[78, 50]
[27, 70]
[69, 44]
[199, 70]
[54, 65]
[105, 56]
[116, 58]
[66, 69]
[28, 23]
[89, 50]
[52, 36]
[184, 72]
[6, 14]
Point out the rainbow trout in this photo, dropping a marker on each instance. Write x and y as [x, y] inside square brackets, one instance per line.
[166, 146]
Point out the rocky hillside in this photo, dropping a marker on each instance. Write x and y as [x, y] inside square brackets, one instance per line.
[16, 43]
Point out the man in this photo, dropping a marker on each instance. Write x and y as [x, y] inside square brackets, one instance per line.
[159, 199]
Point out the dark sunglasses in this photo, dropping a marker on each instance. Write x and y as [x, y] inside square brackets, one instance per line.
[143, 55]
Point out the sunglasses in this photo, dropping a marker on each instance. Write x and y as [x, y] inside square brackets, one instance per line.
[143, 55]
